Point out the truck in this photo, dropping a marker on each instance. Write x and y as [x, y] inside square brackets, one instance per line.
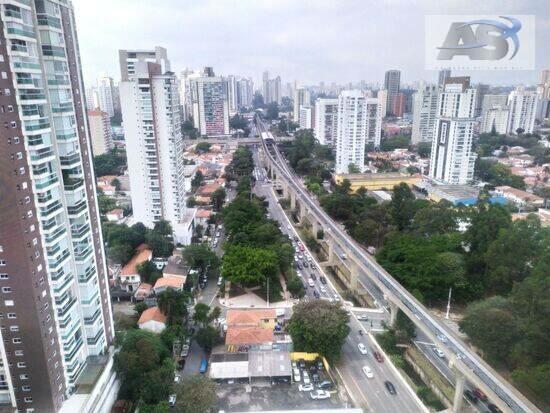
[204, 366]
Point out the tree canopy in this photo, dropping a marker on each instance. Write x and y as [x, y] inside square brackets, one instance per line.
[196, 394]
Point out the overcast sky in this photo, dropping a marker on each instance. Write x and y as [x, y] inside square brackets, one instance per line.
[304, 40]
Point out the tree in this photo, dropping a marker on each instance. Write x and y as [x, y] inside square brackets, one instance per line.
[116, 183]
[200, 314]
[238, 122]
[120, 253]
[218, 198]
[249, 266]
[432, 219]
[163, 227]
[272, 111]
[202, 147]
[306, 334]
[208, 337]
[148, 272]
[402, 206]
[295, 287]
[197, 180]
[424, 149]
[395, 142]
[105, 203]
[140, 308]
[173, 304]
[536, 380]
[109, 163]
[492, 327]
[191, 202]
[161, 246]
[172, 333]
[200, 256]
[258, 101]
[196, 394]
[353, 169]
[143, 365]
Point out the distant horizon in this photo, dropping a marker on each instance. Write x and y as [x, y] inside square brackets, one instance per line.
[309, 42]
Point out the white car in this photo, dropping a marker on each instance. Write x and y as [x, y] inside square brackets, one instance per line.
[306, 378]
[439, 353]
[220, 281]
[308, 257]
[300, 256]
[320, 395]
[177, 378]
[311, 283]
[442, 338]
[323, 289]
[305, 387]
[172, 400]
[368, 372]
[297, 376]
[295, 259]
[336, 297]
[299, 274]
[362, 349]
[288, 227]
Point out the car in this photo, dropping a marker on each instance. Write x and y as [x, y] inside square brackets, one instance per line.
[344, 256]
[305, 264]
[319, 364]
[299, 274]
[177, 378]
[325, 385]
[368, 372]
[316, 294]
[308, 257]
[296, 375]
[390, 387]
[363, 317]
[295, 259]
[301, 247]
[320, 395]
[203, 366]
[470, 396]
[493, 408]
[294, 365]
[479, 394]
[300, 256]
[336, 297]
[220, 281]
[302, 363]
[311, 283]
[362, 349]
[289, 228]
[315, 378]
[323, 289]
[218, 234]
[323, 279]
[442, 338]
[306, 378]
[299, 266]
[306, 387]
[378, 356]
[172, 400]
[439, 353]
[295, 238]
[313, 276]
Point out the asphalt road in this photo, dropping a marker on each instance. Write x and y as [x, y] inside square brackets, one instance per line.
[370, 394]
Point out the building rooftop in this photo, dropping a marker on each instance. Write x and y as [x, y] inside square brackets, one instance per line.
[237, 335]
[269, 363]
[176, 267]
[143, 253]
[249, 317]
[170, 282]
[152, 314]
[518, 193]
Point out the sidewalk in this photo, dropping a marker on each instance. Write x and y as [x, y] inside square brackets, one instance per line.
[251, 300]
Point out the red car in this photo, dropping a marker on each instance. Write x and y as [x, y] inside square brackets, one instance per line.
[479, 394]
[379, 358]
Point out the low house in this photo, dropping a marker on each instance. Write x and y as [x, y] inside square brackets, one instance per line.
[203, 216]
[176, 267]
[262, 318]
[143, 291]
[519, 197]
[115, 215]
[129, 276]
[153, 320]
[248, 336]
[168, 283]
[250, 327]
[183, 230]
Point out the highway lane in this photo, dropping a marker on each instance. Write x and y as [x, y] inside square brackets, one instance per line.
[370, 394]
[469, 362]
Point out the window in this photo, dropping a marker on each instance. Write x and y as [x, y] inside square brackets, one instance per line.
[9, 303]
[26, 388]
[23, 377]
[16, 340]
[16, 140]
[4, 276]
[14, 328]
[2, 263]
[28, 399]
[6, 290]
[12, 315]
[19, 353]
[21, 364]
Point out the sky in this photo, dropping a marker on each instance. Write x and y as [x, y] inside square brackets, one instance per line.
[307, 41]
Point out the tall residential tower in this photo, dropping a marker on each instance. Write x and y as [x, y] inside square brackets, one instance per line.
[56, 321]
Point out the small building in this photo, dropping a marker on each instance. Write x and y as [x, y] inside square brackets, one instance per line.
[183, 230]
[176, 267]
[129, 276]
[168, 283]
[203, 216]
[143, 291]
[255, 366]
[115, 215]
[262, 318]
[248, 336]
[153, 320]
[378, 181]
[189, 172]
[519, 197]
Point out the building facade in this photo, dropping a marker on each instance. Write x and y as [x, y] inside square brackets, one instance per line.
[392, 81]
[493, 100]
[56, 310]
[105, 89]
[302, 97]
[306, 117]
[154, 143]
[424, 113]
[100, 132]
[523, 110]
[245, 93]
[359, 124]
[271, 89]
[452, 160]
[495, 118]
[326, 121]
[210, 105]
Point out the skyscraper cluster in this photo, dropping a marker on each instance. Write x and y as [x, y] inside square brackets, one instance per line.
[271, 89]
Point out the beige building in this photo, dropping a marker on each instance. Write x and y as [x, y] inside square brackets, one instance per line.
[100, 131]
[375, 182]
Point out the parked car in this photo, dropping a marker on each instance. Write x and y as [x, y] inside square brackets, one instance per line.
[306, 265]
[319, 364]
[323, 279]
[368, 372]
[325, 385]
[320, 395]
[305, 387]
[302, 363]
[316, 294]
[315, 378]
[378, 356]
[220, 281]
[311, 283]
[313, 276]
[390, 387]
[470, 396]
[177, 378]
[439, 353]
[323, 289]
[172, 400]
[493, 408]
[296, 374]
[362, 349]
[299, 266]
[306, 378]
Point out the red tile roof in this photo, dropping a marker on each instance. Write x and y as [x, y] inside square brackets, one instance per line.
[249, 317]
[143, 254]
[248, 335]
[151, 314]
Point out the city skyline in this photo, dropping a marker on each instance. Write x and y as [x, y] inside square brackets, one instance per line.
[248, 38]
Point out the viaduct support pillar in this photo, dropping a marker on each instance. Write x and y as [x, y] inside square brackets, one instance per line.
[292, 201]
[393, 313]
[354, 272]
[459, 392]
[314, 227]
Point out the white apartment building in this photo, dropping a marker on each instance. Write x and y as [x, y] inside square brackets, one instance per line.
[245, 95]
[382, 96]
[105, 89]
[424, 113]
[186, 79]
[210, 105]
[306, 117]
[57, 322]
[359, 124]
[100, 131]
[523, 110]
[154, 143]
[326, 121]
[232, 94]
[497, 118]
[492, 100]
[92, 99]
[452, 160]
[302, 97]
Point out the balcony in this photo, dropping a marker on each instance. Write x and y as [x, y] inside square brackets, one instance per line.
[70, 161]
[88, 274]
[77, 208]
[56, 262]
[42, 154]
[45, 20]
[46, 212]
[47, 181]
[92, 319]
[71, 184]
[67, 282]
[63, 310]
[82, 253]
[55, 235]
[62, 107]
[78, 345]
[78, 231]
[66, 135]
[93, 340]
[54, 51]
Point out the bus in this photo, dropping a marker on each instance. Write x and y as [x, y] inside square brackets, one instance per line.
[204, 365]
